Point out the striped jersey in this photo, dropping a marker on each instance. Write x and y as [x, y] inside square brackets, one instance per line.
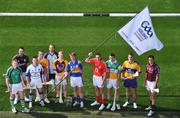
[113, 69]
[75, 69]
[60, 66]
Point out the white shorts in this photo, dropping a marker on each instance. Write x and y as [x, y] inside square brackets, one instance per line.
[16, 87]
[150, 86]
[36, 83]
[24, 76]
[58, 79]
[76, 81]
[97, 81]
[112, 83]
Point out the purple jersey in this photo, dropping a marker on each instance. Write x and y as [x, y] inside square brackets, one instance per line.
[151, 72]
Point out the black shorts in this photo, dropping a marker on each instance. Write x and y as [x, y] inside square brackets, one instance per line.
[51, 76]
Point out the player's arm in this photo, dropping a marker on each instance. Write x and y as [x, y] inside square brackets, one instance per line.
[137, 73]
[28, 77]
[144, 81]
[7, 77]
[54, 67]
[104, 74]
[87, 60]
[8, 84]
[157, 75]
[66, 72]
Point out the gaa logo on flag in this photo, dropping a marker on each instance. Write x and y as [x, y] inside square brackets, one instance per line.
[147, 28]
[144, 32]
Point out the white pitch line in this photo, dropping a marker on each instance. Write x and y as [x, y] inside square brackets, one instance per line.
[151, 14]
[91, 14]
[41, 14]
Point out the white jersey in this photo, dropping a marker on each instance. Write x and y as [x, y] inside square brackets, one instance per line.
[34, 72]
[51, 58]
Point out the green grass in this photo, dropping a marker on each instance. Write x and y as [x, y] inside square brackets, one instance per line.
[82, 34]
[88, 5]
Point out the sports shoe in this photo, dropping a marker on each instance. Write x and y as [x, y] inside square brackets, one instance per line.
[108, 106]
[75, 103]
[42, 103]
[16, 99]
[30, 105]
[135, 105]
[81, 104]
[46, 100]
[14, 110]
[37, 99]
[118, 106]
[25, 110]
[150, 113]
[95, 103]
[148, 108]
[61, 101]
[101, 107]
[125, 104]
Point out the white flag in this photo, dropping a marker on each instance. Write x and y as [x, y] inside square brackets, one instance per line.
[139, 33]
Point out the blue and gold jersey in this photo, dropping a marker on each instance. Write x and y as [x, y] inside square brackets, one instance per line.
[130, 68]
[75, 69]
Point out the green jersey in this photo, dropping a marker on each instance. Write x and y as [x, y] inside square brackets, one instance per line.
[14, 75]
[113, 69]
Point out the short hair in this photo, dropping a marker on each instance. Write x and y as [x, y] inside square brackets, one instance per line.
[13, 59]
[73, 54]
[131, 54]
[112, 54]
[52, 45]
[98, 54]
[151, 56]
[40, 51]
[21, 48]
[61, 52]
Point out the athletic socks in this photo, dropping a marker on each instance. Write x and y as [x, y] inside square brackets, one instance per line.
[134, 99]
[103, 101]
[98, 99]
[30, 97]
[12, 103]
[127, 99]
[41, 96]
[22, 103]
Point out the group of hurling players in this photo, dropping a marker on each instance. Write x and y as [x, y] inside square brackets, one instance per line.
[52, 68]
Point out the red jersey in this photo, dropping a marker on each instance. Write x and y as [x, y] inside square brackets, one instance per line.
[99, 67]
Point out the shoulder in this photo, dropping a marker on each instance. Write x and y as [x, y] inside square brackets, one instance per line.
[10, 68]
[25, 56]
[125, 62]
[46, 54]
[107, 62]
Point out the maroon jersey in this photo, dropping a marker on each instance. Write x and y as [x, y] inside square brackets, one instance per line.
[22, 61]
[151, 72]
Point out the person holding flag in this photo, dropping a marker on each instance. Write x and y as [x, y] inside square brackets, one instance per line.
[99, 77]
[130, 71]
[150, 82]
